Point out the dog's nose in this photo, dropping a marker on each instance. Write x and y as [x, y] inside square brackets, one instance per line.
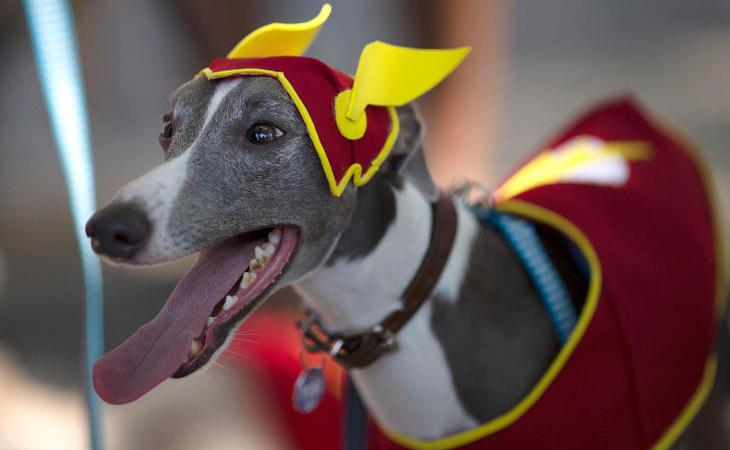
[118, 231]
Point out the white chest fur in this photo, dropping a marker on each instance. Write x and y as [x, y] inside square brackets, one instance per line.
[410, 391]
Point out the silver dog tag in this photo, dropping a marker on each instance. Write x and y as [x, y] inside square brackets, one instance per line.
[308, 390]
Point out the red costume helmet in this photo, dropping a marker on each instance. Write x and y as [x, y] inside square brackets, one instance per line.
[352, 121]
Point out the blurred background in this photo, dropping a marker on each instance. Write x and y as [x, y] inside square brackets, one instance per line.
[534, 66]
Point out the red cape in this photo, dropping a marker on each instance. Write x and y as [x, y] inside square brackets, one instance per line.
[640, 362]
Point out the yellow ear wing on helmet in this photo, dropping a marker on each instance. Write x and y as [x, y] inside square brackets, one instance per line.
[281, 39]
[389, 75]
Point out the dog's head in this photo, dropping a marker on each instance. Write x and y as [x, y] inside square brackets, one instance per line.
[244, 185]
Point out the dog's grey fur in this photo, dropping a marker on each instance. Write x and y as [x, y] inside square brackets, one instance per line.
[495, 336]
[218, 198]
[518, 326]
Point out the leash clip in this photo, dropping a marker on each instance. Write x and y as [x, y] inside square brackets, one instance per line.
[471, 193]
[313, 341]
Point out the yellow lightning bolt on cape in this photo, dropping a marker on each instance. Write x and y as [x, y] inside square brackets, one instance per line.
[583, 159]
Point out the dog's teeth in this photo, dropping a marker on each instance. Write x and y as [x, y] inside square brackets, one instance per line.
[195, 347]
[275, 236]
[247, 279]
[259, 252]
[264, 252]
[230, 301]
[255, 265]
[269, 249]
[211, 321]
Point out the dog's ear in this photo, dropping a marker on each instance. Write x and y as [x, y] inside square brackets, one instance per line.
[407, 160]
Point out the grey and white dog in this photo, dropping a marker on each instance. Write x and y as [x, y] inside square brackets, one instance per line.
[242, 184]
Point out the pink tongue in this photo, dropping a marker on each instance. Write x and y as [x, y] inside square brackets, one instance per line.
[157, 349]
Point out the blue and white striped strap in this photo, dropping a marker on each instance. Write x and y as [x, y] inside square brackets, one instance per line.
[523, 238]
[53, 36]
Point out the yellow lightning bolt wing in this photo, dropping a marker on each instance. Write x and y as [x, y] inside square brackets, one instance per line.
[577, 160]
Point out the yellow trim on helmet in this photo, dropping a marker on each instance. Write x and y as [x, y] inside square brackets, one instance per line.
[550, 218]
[355, 171]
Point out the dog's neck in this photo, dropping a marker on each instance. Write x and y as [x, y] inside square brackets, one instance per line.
[363, 282]
[360, 286]
[357, 288]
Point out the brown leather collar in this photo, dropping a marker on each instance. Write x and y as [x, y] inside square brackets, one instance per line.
[361, 349]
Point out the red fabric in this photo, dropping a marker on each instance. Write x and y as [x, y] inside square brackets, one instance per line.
[643, 355]
[317, 85]
[270, 343]
[656, 243]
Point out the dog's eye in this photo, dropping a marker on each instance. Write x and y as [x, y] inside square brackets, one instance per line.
[263, 133]
[167, 131]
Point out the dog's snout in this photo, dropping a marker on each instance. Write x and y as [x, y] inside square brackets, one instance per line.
[118, 231]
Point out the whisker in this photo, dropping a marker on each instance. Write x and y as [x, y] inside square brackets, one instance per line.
[250, 336]
[234, 353]
[249, 330]
[248, 341]
[228, 358]
[217, 364]
[241, 333]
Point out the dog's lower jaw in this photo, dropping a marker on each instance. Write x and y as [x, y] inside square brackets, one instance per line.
[354, 294]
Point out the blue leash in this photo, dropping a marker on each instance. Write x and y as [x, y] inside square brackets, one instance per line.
[51, 27]
[356, 420]
[524, 240]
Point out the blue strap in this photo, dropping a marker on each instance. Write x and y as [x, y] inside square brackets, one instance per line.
[52, 34]
[356, 420]
[523, 238]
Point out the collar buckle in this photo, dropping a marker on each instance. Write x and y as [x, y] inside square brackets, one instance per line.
[345, 348]
[387, 337]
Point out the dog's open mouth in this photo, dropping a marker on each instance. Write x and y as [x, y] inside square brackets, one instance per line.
[214, 296]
